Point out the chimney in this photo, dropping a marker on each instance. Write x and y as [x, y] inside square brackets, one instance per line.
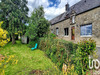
[67, 7]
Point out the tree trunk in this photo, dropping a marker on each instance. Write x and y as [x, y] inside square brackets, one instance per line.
[29, 40]
[13, 38]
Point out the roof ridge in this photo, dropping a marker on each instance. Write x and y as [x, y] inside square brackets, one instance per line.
[79, 8]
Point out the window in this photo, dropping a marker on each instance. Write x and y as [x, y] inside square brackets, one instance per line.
[73, 19]
[57, 31]
[66, 31]
[86, 30]
[52, 31]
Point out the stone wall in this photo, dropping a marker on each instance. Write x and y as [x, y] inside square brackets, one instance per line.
[92, 16]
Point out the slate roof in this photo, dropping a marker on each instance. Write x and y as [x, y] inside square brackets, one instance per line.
[80, 7]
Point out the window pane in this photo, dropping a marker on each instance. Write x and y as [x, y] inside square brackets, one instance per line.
[83, 29]
[57, 31]
[66, 31]
[73, 19]
[89, 30]
[51, 30]
[86, 30]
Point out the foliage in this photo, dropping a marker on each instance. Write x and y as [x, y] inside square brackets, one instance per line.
[51, 35]
[53, 71]
[43, 27]
[14, 14]
[38, 25]
[8, 60]
[32, 43]
[3, 36]
[86, 47]
[81, 56]
[70, 70]
[60, 51]
[57, 50]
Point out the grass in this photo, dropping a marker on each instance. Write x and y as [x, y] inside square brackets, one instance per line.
[27, 60]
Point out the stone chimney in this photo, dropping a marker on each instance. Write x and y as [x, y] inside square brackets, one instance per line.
[67, 7]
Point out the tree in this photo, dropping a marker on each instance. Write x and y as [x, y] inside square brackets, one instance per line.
[3, 36]
[14, 14]
[38, 25]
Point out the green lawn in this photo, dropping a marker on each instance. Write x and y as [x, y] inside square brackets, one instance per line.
[27, 60]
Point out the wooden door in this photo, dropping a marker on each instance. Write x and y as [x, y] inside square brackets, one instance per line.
[73, 33]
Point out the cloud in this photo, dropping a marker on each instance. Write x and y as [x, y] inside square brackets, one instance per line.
[50, 12]
[35, 3]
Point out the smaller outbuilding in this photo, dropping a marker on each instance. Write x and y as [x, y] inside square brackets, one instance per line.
[24, 39]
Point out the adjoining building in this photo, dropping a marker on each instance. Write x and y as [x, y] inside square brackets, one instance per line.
[78, 22]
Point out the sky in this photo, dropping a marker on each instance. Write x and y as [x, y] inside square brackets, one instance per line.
[52, 8]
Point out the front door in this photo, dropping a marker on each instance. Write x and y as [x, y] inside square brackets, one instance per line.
[73, 33]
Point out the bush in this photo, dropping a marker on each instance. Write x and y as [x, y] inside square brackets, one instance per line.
[33, 42]
[57, 50]
[3, 36]
[81, 58]
[60, 51]
[52, 35]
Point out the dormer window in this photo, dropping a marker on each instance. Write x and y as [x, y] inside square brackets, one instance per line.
[73, 19]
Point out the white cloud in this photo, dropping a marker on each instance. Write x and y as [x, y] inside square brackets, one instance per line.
[50, 12]
[35, 3]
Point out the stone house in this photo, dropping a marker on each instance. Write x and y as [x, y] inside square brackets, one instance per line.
[78, 22]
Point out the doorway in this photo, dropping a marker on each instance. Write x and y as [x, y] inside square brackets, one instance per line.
[73, 33]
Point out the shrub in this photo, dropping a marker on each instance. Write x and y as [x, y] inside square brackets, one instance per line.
[52, 35]
[32, 43]
[81, 58]
[3, 36]
[57, 50]
[86, 47]
[70, 70]
[60, 51]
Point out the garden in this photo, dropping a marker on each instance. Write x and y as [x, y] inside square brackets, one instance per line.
[51, 56]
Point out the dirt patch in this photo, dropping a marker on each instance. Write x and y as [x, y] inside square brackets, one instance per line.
[36, 72]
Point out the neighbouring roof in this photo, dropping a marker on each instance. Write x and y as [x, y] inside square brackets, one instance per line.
[80, 7]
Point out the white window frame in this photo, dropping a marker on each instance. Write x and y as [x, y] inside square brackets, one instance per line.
[66, 32]
[57, 31]
[52, 31]
[85, 31]
[73, 19]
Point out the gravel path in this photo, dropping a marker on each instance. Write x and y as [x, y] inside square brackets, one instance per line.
[98, 53]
